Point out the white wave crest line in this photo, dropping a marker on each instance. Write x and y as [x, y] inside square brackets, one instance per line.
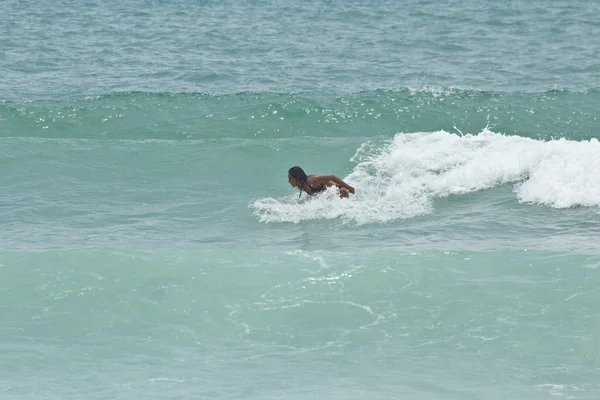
[402, 177]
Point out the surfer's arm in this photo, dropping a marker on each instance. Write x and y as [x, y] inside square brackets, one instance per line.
[326, 179]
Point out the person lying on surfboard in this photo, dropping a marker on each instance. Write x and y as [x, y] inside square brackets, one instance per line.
[313, 184]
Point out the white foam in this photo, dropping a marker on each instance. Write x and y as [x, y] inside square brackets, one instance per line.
[401, 177]
[566, 174]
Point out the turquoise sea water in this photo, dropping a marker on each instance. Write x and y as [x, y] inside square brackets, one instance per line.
[152, 248]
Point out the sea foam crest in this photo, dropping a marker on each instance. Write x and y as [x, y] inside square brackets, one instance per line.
[401, 177]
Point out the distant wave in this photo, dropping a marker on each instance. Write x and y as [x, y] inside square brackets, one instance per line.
[248, 115]
[431, 89]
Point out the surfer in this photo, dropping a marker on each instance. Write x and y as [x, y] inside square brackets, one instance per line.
[313, 184]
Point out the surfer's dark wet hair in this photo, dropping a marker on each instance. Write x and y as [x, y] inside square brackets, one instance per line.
[298, 174]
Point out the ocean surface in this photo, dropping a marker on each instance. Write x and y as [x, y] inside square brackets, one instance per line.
[151, 246]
